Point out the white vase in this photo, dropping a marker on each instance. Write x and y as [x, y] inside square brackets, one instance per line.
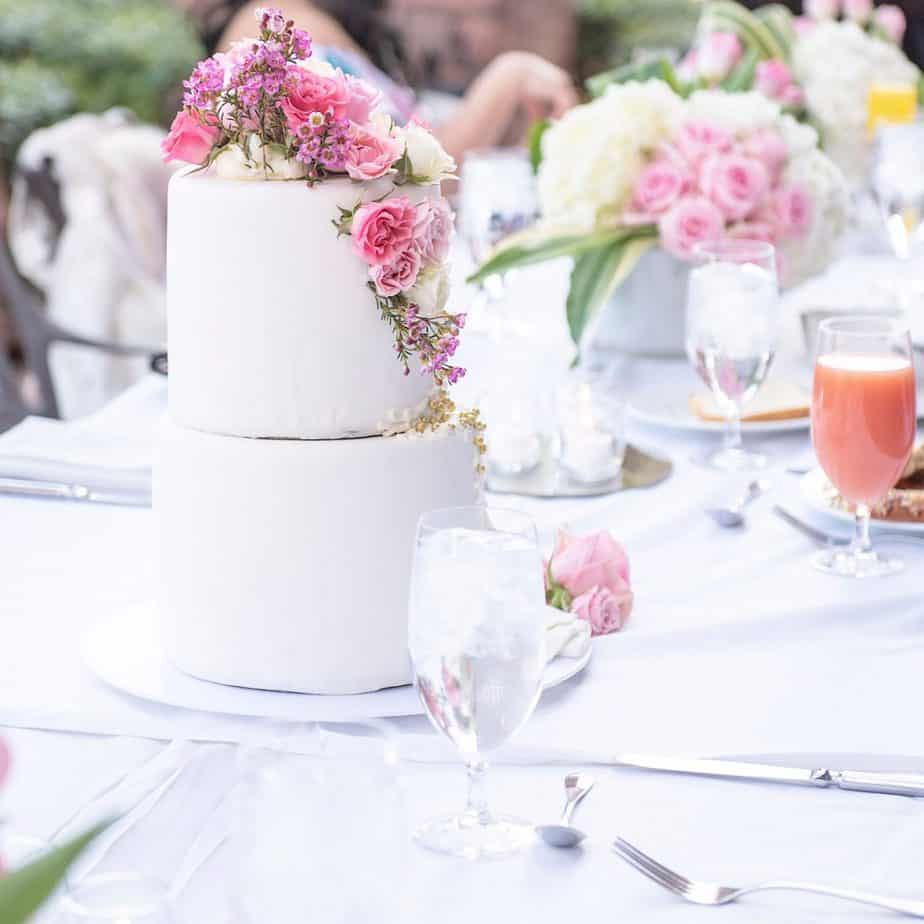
[645, 315]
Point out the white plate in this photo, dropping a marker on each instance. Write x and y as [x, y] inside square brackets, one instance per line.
[663, 408]
[817, 493]
[126, 653]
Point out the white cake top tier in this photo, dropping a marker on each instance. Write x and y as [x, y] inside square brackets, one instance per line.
[272, 328]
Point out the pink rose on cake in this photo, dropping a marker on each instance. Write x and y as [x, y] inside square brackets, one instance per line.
[398, 276]
[433, 230]
[190, 139]
[383, 230]
[309, 92]
[588, 576]
[370, 154]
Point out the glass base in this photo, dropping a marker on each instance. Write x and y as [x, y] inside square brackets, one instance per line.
[849, 563]
[469, 837]
[733, 460]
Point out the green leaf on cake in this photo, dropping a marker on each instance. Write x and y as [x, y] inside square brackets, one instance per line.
[596, 275]
[23, 891]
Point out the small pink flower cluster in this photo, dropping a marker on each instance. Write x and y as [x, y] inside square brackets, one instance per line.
[399, 241]
[588, 576]
[888, 18]
[707, 184]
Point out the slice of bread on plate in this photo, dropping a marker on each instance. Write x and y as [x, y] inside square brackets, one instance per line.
[774, 401]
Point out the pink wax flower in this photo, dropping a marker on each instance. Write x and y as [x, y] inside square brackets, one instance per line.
[397, 276]
[605, 610]
[580, 563]
[432, 230]
[369, 154]
[658, 186]
[308, 92]
[791, 208]
[735, 183]
[822, 9]
[690, 220]
[189, 139]
[858, 10]
[382, 230]
[891, 19]
[772, 77]
[697, 140]
[767, 145]
[717, 54]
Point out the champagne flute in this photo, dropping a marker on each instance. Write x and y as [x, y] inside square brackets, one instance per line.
[477, 643]
[732, 305]
[863, 426]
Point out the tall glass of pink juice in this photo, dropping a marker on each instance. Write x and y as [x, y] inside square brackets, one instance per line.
[863, 425]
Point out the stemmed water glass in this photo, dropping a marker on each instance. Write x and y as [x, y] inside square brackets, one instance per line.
[898, 185]
[477, 643]
[732, 306]
[863, 426]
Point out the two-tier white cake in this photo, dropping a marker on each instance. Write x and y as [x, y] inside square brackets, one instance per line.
[286, 500]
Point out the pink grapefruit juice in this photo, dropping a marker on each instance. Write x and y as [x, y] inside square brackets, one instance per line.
[863, 421]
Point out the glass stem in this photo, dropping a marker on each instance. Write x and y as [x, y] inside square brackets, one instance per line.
[862, 545]
[733, 430]
[477, 807]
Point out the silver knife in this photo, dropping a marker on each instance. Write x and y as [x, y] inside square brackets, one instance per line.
[30, 487]
[896, 784]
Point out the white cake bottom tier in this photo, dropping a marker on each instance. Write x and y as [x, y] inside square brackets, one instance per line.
[285, 564]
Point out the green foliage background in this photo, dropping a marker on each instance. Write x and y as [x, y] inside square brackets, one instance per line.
[58, 57]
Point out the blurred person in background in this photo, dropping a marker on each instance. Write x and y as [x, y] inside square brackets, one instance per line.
[362, 37]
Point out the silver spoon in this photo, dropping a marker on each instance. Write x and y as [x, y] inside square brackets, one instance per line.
[732, 515]
[577, 785]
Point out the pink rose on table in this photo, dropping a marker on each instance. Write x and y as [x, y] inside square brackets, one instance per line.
[580, 563]
[791, 208]
[658, 186]
[735, 183]
[891, 19]
[605, 610]
[392, 278]
[858, 10]
[690, 220]
[370, 155]
[433, 229]
[383, 230]
[767, 145]
[717, 55]
[308, 92]
[697, 140]
[822, 9]
[188, 139]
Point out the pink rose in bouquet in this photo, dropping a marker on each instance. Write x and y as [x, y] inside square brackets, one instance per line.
[891, 19]
[698, 140]
[735, 183]
[767, 145]
[370, 154]
[398, 276]
[773, 78]
[717, 55]
[791, 209]
[858, 10]
[588, 576]
[753, 230]
[690, 220]
[383, 230]
[189, 139]
[433, 230]
[658, 186]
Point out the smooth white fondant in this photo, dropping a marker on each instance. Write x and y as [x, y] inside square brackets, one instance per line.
[285, 564]
[272, 329]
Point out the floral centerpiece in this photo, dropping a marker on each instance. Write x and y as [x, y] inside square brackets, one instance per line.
[643, 166]
[267, 110]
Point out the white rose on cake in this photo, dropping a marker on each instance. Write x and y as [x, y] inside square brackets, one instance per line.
[431, 290]
[429, 161]
[261, 163]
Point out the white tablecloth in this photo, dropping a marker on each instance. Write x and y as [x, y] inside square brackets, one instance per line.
[736, 647]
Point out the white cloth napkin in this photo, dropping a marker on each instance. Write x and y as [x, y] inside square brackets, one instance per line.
[565, 635]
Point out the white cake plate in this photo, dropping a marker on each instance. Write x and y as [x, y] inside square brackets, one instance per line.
[126, 653]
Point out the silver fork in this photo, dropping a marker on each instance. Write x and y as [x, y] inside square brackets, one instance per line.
[707, 893]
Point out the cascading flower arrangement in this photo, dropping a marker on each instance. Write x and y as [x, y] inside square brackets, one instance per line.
[267, 110]
[643, 166]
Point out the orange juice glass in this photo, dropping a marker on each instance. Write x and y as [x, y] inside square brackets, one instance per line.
[863, 425]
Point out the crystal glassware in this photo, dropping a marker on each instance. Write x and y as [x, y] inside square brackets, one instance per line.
[477, 643]
[898, 185]
[863, 425]
[732, 307]
[116, 898]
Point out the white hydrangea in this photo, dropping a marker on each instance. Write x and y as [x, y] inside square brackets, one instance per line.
[825, 184]
[836, 63]
[593, 154]
[739, 113]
